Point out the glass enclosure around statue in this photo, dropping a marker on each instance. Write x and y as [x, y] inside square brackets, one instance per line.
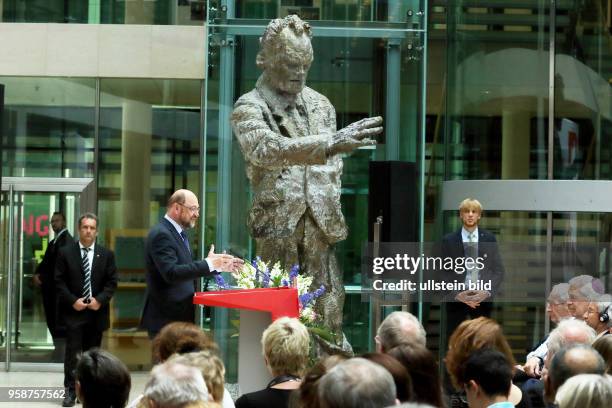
[368, 60]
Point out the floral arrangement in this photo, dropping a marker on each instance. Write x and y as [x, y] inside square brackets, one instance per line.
[259, 274]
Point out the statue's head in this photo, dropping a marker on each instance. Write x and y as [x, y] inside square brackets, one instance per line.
[285, 54]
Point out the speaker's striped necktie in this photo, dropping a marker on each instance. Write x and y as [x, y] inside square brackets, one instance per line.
[87, 275]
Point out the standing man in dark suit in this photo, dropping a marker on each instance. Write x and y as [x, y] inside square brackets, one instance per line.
[171, 270]
[86, 279]
[45, 279]
[471, 241]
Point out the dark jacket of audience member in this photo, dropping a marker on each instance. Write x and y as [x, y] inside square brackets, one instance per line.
[423, 370]
[102, 380]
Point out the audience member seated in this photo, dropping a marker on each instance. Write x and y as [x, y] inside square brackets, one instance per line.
[568, 332]
[175, 385]
[423, 370]
[212, 369]
[487, 378]
[583, 289]
[556, 307]
[307, 395]
[585, 390]
[401, 377]
[568, 362]
[598, 315]
[399, 328]
[286, 346]
[180, 337]
[472, 335]
[102, 380]
[603, 345]
[357, 383]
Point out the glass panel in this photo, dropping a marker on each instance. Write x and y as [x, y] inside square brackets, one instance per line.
[583, 113]
[163, 12]
[48, 127]
[149, 147]
[32, 341]
[487, 119]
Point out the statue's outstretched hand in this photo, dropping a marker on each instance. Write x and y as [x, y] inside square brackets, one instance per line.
[355, 135]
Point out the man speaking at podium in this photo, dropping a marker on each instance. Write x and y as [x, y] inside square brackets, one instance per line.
[171, 270]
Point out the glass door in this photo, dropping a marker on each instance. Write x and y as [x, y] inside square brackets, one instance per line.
[27, 312]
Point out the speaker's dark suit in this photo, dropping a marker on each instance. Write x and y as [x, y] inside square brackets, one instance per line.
[46, 272]
[85, 327]
[453, 247]
[171, 274]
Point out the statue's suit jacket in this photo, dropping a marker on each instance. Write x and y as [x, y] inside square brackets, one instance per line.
[171, 272]
[69, 280]
[287, 164]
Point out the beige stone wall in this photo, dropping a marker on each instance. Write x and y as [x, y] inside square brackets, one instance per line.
[105, 50]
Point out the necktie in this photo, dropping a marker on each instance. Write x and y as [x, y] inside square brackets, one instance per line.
[86, 275]
[186, 241]
[473, 253]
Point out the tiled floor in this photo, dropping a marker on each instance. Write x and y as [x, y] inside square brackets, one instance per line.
[38, 379]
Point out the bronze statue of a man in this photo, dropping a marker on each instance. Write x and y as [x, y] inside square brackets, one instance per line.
[288, 137]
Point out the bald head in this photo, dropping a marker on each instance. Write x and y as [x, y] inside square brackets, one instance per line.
[571, 361]
[183, 207]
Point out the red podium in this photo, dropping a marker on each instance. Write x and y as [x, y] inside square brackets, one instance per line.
[258, 308]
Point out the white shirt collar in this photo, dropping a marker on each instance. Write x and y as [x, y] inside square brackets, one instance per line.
[175, 224]
[91, 248]
[465, 235]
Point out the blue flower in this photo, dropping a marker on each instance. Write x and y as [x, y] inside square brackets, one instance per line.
[293, 273]
[265, 282]
[221, 282]
[319, 291]
[285, 282]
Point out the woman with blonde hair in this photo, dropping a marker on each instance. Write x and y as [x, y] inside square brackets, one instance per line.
[585, 390]
[286, 346]
[211, 367]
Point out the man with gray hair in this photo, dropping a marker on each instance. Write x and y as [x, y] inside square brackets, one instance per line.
[598, 315]
[568, 332]
[293, 157]
[357, 383]
[399, 328]
[174, 385]
[568, 362]
[556, 307]
[583, 289]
